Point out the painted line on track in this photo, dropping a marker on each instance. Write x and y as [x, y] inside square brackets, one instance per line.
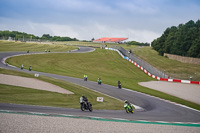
[188, 124]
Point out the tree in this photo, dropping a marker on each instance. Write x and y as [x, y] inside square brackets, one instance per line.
[21, 36]
[194, 50]
[46, 36]
[182, 40]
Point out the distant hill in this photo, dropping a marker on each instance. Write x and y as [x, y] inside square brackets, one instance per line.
[182, 40]
[24, 36]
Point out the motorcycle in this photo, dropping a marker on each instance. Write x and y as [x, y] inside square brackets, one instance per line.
[128, 108]
[119, 85]
[22, 67]
[30, 68]
[99, 81]
[86, 106]
[85, 78]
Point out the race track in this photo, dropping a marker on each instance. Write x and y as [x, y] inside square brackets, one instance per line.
[154, 109]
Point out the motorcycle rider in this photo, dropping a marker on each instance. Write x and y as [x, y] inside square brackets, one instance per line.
[84, 99]
[126, 102]
[85, 104]
[129, 105]
[30, 68]
[99, 80]
[85, 77]
[119, 84]
[22, 66]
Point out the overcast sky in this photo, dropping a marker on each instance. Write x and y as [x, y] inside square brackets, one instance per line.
[139, 20]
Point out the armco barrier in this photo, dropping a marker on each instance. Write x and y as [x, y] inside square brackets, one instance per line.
[152, 75]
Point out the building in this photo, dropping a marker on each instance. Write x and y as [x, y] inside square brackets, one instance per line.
[110, 40]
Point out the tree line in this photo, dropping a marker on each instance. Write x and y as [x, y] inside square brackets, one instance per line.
[183, 40]
[21, 35]
[138, 43]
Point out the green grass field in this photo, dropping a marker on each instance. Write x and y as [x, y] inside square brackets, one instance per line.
[33, 47]
[172, 68]
[102, 63]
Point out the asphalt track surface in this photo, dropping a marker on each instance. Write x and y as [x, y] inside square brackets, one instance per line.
[154, 109]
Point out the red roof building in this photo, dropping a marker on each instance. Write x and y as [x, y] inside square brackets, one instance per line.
[110, 40]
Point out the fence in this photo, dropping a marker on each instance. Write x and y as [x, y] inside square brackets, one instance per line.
[183, 59]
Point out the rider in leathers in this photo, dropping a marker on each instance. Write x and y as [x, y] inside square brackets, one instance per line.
[126, 102]
[84, 99]
[130, 106]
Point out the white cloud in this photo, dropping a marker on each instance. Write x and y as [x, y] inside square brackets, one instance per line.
[82, 32]
[132, 34]
[61, 30]
[140, 20]
[81, 6]
[143, 35]
[140, 7]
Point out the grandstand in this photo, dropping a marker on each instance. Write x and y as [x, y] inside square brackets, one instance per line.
[110, 40]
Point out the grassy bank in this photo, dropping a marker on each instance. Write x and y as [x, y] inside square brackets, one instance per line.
[172, 68]
[102, 63]
[21, 95]
[33, 47]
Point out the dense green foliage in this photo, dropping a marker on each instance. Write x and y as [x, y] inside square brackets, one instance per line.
[137, 43]
[57, 38]
[17, 35]
[30, 37]
[183, 40]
